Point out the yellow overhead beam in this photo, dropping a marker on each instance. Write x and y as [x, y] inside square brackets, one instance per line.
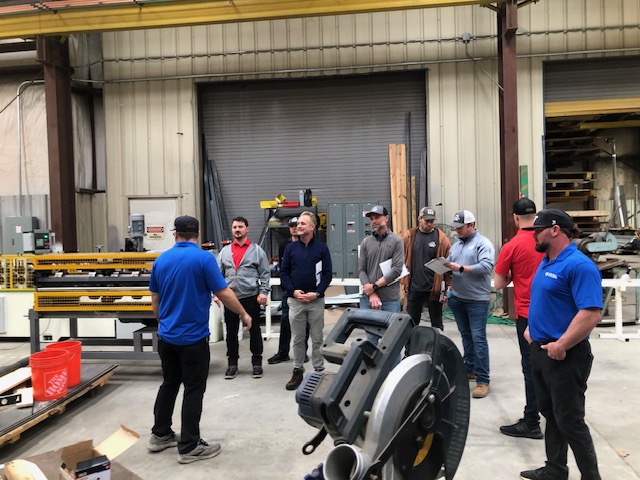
[591, 107]
[69, 17]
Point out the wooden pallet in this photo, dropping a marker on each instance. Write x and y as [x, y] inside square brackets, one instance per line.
[558, 175]
[13, 422]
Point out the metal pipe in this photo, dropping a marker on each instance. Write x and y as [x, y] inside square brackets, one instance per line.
[27, 83]
[635, 207]
[417, 64]
[423, 41]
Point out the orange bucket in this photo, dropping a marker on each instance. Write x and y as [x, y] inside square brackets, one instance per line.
[74, 347]
[49, 372]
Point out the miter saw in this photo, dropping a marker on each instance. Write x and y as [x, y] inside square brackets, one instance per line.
[390, 421]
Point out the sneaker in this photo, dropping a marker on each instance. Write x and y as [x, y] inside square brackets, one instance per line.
[538, 474]
[522, 429]
[231, 373]
[278, 358]
[319, 369]
[257, 372]
[202, 451]
[296, 379]
[472, 376]
[481, 390]
[157, 444]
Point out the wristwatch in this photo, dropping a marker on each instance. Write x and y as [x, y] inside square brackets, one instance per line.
[375, 287]
[461, 269]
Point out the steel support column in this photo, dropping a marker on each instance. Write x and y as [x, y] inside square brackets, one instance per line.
[507, 78]
[53, 53]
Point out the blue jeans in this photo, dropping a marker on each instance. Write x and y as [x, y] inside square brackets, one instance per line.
[389, 306]
[471, 318]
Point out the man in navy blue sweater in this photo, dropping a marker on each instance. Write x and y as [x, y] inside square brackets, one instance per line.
[305, 274]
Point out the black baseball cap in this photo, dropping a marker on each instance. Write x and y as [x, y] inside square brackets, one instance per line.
[293, 221]
[377, 210]
[524, 206]
[186, 224]
[549, 218]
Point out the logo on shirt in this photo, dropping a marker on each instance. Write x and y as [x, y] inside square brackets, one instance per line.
[551, 275]
[432, 244]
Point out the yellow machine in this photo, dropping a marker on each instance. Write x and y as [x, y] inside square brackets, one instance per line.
[92, 282]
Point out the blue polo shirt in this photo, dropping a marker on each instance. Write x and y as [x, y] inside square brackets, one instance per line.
[184, 278]
[560, 288]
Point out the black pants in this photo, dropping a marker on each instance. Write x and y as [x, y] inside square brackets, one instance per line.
[531, 415]
[187, 365]
[284, 342]
[232, 320]
[560, 388]
[415, 300]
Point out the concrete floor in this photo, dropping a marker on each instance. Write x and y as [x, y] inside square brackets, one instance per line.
[261, 434]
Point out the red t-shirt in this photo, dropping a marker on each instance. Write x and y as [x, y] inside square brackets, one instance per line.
[519, 257]
[238, 251]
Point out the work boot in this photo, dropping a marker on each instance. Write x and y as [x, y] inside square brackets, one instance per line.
[481, 390]
[296, 379]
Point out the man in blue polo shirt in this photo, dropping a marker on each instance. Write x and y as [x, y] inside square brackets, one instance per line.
[566, 304]
[182, 280]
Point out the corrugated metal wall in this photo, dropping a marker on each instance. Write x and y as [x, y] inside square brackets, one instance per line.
[151, 125]
[329, 135]
[601, 78]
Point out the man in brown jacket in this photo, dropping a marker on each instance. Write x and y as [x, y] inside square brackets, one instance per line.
[422, 244]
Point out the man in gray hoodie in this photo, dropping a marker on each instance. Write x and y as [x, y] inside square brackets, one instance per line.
[471, 260]
[245, 268]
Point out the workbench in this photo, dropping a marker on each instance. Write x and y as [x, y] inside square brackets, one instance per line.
[138, 343]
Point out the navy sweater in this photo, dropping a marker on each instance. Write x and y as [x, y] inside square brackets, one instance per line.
[298, 267]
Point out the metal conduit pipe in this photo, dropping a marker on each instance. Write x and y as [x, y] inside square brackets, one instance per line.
[27, 83]
[355, 45]
[419, 63]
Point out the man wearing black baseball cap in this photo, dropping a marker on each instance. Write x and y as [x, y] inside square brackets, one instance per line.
[517, 262]
[566, 304]
[380, 290]
[181, 283]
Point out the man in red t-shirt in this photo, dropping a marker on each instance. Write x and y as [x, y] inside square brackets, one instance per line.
[518, 262]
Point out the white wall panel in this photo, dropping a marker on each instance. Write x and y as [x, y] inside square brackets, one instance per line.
[150, 157]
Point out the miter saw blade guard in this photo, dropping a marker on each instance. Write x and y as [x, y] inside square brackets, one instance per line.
[413, 426]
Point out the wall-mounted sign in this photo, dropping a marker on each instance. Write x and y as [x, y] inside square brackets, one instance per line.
[155, 233]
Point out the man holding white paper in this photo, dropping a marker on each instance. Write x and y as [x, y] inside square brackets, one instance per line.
[380, 264]
[305, 274]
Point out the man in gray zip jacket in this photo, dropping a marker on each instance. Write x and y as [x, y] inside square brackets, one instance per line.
[245, 268]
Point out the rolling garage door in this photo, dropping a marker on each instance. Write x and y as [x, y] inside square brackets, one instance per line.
[329, 135]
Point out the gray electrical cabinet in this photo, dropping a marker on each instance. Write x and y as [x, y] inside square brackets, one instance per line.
[13, 229]
[347, 225]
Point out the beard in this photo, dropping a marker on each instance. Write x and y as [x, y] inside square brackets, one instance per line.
[542, 247]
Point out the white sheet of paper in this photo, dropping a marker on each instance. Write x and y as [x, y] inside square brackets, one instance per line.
[318, 272]
[386, 268]
[437, 265]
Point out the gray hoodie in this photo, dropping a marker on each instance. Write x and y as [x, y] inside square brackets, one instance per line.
[253, 274]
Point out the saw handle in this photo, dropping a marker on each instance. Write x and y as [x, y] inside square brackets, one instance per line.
[310, 447]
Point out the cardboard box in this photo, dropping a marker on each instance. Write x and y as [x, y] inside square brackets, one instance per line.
[84, 461]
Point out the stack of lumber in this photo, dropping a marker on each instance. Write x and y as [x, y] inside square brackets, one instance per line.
[399, 194]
